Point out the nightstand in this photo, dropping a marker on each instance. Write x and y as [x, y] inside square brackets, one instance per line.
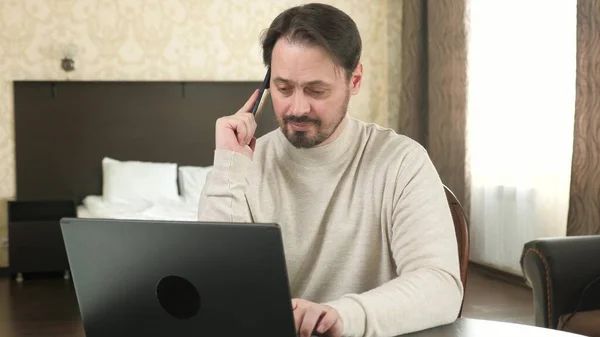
[35, 242]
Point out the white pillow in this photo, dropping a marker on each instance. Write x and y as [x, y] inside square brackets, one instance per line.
[191, 181]
[134, 181]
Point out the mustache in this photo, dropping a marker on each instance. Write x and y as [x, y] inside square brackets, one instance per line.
[301, 119]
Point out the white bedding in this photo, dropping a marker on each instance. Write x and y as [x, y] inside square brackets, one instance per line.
[94, 206]
[142, 190]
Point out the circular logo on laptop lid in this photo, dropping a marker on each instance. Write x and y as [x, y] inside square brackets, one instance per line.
[178, 297]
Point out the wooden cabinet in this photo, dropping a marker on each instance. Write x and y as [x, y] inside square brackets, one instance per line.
[35, 243]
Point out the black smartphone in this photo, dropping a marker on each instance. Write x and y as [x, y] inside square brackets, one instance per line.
[263, 94]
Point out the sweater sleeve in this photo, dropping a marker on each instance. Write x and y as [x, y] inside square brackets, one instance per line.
[223, 197]
[428, 291]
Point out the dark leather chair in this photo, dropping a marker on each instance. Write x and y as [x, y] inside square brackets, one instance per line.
[461, 228]
[564, 274]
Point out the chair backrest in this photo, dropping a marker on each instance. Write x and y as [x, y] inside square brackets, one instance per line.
[462, 235]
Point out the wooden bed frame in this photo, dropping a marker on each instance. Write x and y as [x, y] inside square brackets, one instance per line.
[63, 129]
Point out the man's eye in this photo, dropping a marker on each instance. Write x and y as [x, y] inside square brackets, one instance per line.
[284, 90]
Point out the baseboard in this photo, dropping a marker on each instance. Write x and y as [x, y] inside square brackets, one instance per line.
[499, 274]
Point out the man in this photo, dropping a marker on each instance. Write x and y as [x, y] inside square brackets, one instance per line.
[369, 238]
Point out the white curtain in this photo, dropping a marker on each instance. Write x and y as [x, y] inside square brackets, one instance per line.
[521, 104]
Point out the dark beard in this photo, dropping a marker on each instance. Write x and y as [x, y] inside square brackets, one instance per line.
[301, 139]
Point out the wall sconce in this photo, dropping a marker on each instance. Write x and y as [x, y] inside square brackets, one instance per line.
[68, 63]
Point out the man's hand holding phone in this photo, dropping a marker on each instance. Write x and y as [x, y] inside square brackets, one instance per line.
[236, 132]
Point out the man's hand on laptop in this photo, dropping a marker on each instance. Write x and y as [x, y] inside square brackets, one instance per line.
[316, 318]
[236, 132]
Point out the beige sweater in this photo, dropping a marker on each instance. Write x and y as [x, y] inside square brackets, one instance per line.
[365, 224]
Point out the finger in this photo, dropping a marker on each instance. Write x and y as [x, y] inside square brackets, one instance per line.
[298, 302]
[252, 144]
[250, 102]
[336, 330]
[250, 127]
[299, 317]
[310, 320]
[238, 125]
[327, 321]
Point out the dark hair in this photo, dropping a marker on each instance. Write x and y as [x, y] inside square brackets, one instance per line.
[316, 24]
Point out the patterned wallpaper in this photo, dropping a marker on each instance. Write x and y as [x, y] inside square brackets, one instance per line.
[166, 40]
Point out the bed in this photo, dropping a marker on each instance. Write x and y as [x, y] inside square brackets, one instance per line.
[122, 149]
[111, 149]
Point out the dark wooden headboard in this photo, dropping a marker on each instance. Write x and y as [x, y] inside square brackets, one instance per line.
[64, 129]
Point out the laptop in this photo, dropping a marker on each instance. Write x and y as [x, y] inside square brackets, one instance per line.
[142, 278]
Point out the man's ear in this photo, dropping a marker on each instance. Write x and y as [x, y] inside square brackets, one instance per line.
[356, 79]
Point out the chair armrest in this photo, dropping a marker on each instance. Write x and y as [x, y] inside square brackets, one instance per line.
[558, 270]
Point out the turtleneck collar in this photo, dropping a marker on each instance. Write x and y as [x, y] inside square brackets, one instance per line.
[324, 154]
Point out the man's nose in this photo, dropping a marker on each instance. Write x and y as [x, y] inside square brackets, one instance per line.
[300, 105]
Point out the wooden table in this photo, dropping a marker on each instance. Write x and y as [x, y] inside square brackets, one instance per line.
[468, 327]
